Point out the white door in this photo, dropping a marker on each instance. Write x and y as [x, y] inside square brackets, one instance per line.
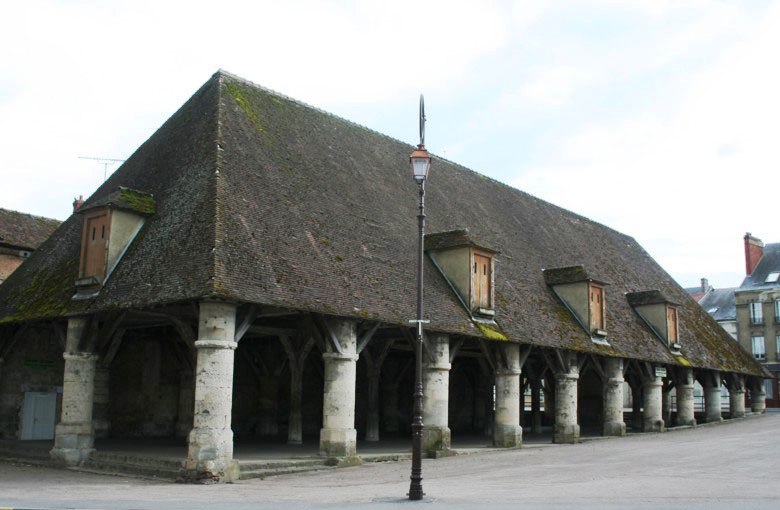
[38, 415]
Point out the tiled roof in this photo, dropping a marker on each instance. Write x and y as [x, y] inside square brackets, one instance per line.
[720, 304]
[24, 231]
[262, 199]
[648, 297]
[769, 263]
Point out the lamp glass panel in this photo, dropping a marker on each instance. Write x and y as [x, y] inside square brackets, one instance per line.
[419, 167]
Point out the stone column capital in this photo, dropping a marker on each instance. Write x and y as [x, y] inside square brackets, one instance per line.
[508, 371]
[340, 356]
[437, 366]
[215, 344]
[80, 356]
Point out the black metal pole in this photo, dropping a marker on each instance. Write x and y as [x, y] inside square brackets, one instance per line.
[415, 488]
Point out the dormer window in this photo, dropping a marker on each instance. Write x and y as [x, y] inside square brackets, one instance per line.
[597, 308]
[660, 314]
[110, 225]
[672, 328]
[583, 295]
[468, 266]
[482, 280]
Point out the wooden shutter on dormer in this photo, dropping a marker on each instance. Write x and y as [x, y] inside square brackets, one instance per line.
[481, 273]
[671, 324]
[96, 233]
[596, 307]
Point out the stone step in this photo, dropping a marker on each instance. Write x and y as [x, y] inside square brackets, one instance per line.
[267, 469]
[152, 468]
[22, 450]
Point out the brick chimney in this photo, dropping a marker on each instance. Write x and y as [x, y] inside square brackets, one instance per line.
[754, 250]
[705, 285]
[78, 202]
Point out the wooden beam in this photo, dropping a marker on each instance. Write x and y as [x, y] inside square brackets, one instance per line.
[525, 351]
[366, 337]
[598, 367]
[246, 322]
[270, 331]
[327, 334]
[455, 347]
[113, 347]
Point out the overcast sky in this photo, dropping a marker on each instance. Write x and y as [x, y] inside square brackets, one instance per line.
[660, 119]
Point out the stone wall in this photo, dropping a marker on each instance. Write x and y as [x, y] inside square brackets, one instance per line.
[34, 363]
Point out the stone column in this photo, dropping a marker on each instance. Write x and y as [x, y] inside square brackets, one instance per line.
[613, 398]
[507, 432]
[338, 437]
[536, 405]
[685, 400]
[436, 395]
[758, 396]
[74, 436]
[566, 429]
[737, 397]
[712, 398]
[652, 419]
[210, 453]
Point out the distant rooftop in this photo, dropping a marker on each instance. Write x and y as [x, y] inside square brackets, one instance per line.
[720, 304]
[763, 276]
[24, 231]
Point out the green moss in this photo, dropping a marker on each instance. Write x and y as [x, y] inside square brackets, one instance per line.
[491, 331]
[141, 202]
[237, 92]
[48, 294]
[684, 362]
[325, 241]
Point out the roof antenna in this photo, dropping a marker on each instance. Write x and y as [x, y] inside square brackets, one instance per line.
[105, 162]
[422, 120]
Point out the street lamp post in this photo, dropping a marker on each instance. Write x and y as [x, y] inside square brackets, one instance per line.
[421, 163]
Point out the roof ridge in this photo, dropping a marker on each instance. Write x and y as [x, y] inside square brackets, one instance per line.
[222, 72]
[215, 177]
[36, 216]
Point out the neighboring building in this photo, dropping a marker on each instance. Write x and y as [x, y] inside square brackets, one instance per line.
[719, 303]
[251, 270]
[20, 235]
[758, 309]
[697, 293]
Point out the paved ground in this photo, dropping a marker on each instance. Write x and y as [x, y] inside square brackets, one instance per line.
[733, 465]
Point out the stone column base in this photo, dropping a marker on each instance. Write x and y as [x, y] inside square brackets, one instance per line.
[653, 426]
[210, 457]
[73, 443]
[436, 441]
[566, 434]
[507, 436]
[338, 444]
[614, 428]
[685, 422]
[210, 471]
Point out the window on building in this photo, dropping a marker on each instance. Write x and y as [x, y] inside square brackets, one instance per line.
[756, 313]
[597, 308]
[777, 311]
[772, 277]
[759, 349]
[769, 387]
[777, 348]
